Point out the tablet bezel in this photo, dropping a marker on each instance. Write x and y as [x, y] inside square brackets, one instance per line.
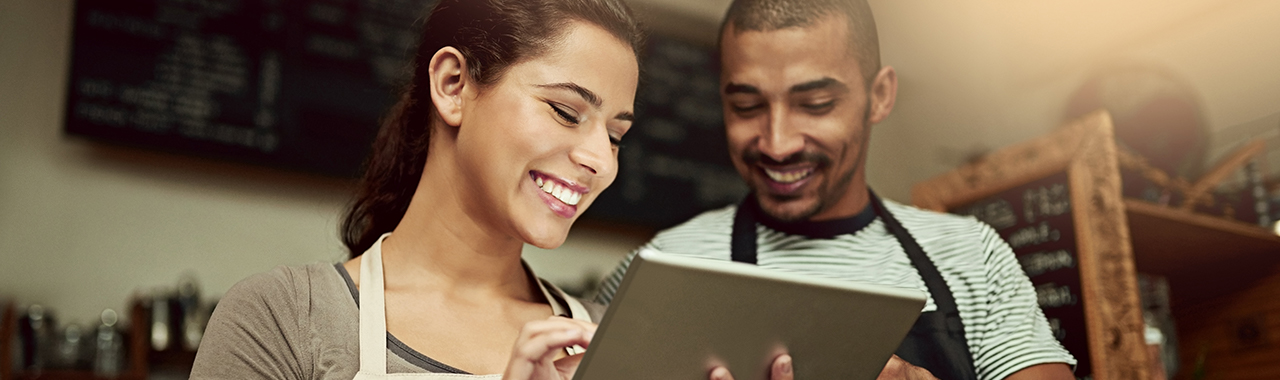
[708, 304]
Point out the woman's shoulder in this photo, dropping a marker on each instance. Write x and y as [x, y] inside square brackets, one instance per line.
[265, 315]
[284, 282]
[284, 293]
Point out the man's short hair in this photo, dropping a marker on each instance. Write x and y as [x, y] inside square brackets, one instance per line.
[769, 15]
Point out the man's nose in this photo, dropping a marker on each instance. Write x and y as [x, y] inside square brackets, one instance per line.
[781, 138]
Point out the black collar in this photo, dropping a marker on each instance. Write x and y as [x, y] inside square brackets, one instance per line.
[825, 229]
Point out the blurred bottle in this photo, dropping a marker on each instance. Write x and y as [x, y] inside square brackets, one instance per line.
[34, 330]
[70, 350]
[1257, 191]
[161, 324]
[108, 355]
[188, 299]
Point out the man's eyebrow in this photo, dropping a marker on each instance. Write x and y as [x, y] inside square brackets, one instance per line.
[738, 88]
[820, 84]
[586, 94]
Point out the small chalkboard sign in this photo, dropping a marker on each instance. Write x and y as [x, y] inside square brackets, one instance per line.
[1056, 200]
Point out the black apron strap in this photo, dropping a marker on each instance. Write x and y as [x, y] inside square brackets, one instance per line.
[938, 288]
[936, 341]
[743, 244]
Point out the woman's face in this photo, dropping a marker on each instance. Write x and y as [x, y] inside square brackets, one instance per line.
[538, 146]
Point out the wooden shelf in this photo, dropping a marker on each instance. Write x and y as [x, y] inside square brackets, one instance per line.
[74, 375]
[1202, 256]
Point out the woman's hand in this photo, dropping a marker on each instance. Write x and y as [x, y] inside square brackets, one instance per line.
[781, 370]
[541, 343]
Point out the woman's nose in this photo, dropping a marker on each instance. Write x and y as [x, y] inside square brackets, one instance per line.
[595, 152]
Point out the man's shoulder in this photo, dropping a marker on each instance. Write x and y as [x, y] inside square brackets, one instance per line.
[707, 232]
[718, 221]
[932, 223]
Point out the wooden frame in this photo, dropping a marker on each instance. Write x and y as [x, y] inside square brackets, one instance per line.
[8, 328]
[1085, 149]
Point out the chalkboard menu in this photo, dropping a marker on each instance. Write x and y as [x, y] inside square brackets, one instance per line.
[302, 84]
[1035, 219]
[1056, 201]
[674, 162]
[292, 84]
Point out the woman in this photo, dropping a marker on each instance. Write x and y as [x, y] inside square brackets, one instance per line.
[508, 131]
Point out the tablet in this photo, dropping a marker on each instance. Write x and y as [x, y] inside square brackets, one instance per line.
[676, 317]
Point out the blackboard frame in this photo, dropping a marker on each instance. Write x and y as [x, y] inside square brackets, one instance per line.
[1085, 149]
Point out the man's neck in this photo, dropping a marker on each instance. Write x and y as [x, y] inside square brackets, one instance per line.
[856, 200]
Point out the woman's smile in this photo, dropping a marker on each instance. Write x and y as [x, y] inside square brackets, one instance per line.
[560, 195]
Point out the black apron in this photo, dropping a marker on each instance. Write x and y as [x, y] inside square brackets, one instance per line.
[936, 341]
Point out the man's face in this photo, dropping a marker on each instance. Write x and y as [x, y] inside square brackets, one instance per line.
[795, 111]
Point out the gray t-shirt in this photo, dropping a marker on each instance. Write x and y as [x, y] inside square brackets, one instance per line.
[299, 323]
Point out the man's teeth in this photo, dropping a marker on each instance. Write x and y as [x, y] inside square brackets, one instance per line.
[562, 193]
[788, 176]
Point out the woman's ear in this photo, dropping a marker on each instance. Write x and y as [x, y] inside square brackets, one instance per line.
[448, 78]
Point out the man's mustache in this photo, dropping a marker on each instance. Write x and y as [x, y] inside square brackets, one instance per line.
[754, 157]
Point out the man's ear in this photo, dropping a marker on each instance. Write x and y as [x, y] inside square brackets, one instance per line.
[883, 94]
[448, 79]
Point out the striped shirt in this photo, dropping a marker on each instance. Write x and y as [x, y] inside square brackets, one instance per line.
[1004, 327]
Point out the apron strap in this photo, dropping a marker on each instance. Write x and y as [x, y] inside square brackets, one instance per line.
[952, 349]
[575, 309]
[373, 312]
[742, 244]
[743, 247]
[562, 304]
[938, 288]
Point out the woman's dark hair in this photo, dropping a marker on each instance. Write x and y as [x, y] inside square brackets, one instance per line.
[492, 35]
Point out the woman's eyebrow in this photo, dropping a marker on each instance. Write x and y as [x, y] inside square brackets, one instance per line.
[589, 96]
[586, 94]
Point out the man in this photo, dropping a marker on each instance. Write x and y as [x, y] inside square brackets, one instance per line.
[801, 86]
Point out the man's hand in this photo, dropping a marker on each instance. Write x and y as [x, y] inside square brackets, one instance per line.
[899, 369]
[781, 370]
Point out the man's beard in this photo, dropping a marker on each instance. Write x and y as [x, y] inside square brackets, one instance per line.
[752, 158]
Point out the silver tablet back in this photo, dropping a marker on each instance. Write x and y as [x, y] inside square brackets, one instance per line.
[677, 318]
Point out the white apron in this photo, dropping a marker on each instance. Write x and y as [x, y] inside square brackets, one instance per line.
[373, 321]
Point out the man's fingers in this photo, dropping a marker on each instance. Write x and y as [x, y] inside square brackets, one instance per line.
[897, 368]
[782, 369]
[721, 373]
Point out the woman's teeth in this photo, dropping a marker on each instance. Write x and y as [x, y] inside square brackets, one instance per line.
[562, 193]
[788, 176]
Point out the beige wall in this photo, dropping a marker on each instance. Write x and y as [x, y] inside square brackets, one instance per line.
[977, 75]
[83, 225]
